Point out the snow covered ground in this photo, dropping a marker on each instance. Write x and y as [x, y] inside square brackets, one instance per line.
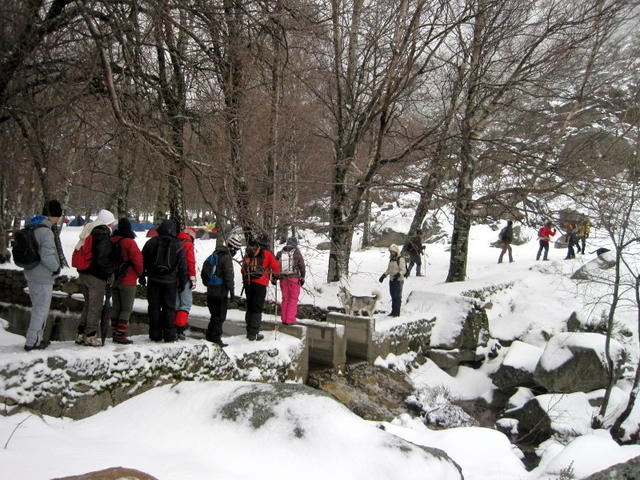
[173, 440]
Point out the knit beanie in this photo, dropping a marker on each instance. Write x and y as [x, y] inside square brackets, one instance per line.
[52, 208]
[106, 217]
[292, 241]
[124, 227]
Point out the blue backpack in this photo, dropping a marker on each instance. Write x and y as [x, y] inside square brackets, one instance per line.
[211, 271]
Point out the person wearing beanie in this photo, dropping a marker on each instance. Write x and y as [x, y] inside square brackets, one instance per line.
[184, 300]
[217, 275]
[415, 249]
[259, 266]
[128, 269]
[93, 278]
[292, 273]
[40, 278]
[395, 271]
[506, 237]
[165, 267]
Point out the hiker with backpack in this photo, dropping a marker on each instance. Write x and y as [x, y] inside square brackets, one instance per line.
[415, 249]
[217, 275]
[292, 272]
[184, 299]
[164, 274]
[584, 228]
[572, 240]
[36, 250]
[128, 267]
[506, 237]
[544, 236]
[395, 271]
[93, 258]
[258, 267]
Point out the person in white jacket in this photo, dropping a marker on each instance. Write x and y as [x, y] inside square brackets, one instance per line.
[395, 271]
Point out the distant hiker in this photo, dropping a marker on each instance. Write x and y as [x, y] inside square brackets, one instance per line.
[128, 268]
[572, 240]
[292, 272]
[184, 299]
[415, 249]
[506, 237]
[217, 275]
[395, 271]
[165, 273]
[544, 236]
[584, 228]
[93, 258]
[41, 276]
[258, 267]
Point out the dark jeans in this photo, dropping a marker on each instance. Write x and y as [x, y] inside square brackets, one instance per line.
[544, 245]
[256, 294]
[414, 260]
[218, 311]
[162, 310]
[581, 244]
[395, 289]
[570, 253]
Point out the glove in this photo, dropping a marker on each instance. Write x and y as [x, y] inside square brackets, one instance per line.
[142, 280]
[193, 282]
[57, 272]
[274, 281]
[301, 281]
[382, 277]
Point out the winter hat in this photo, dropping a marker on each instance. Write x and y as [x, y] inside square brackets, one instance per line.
[233, 242]
[394, 248]
[124, 227]
[191, 232]
[52, 208]
[292, 241]
[263, 240]
[106, 217]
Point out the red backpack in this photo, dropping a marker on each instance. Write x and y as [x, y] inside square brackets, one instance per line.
[82, 257]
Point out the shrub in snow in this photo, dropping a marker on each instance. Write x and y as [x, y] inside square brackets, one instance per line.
[434, 405]
[575, 362]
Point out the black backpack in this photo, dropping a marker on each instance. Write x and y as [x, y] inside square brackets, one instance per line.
[25, 247]
[166, 259]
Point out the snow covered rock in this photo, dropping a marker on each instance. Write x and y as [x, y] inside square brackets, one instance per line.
[517, 367]
[548, 414]
[116, 473]
[622, 471]
[435, 407]
[593, 270]
[575, 362]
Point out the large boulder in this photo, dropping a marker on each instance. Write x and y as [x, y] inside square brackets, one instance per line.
[114, 473]
[595, 268]
[517, 367]
[576, 362]
[548, 414]
[629, 470]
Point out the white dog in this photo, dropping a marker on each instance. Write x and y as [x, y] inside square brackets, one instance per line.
[353, 304]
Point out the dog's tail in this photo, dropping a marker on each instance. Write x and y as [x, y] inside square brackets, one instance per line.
[377, 294]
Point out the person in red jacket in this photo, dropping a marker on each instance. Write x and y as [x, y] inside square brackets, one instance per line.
[259, 266]
[544, 235]
[126, 278]
[184, 300]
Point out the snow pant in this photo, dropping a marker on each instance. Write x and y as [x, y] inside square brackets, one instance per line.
[122, 298]
[217, 305]
[395, 289]
[92, 289]
[162, 311]
[414, 260]
[544, 245]
[290, 293]
[256, 295]
[40, 295]
[506, 247]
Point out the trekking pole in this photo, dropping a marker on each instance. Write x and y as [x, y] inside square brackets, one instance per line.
[275, 314]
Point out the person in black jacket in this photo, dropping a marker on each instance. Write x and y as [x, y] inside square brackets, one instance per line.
[165, 267]
[217, 275]
[506, 237]
[93, 280]
[415, 249]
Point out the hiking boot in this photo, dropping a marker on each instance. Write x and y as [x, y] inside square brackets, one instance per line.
[255, 338]
[122, 339]
[40, 346]
[92, 341]
[80, 339]
[218, 342]
[180, 333]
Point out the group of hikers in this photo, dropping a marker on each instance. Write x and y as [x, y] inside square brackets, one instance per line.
[576, 236]
[108, 260]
